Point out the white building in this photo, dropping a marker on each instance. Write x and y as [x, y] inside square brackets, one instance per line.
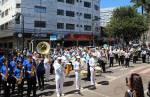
[45, 17]
[105, 15]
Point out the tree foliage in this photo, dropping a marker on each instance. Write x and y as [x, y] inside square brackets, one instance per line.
[127, 24]
[144, 3]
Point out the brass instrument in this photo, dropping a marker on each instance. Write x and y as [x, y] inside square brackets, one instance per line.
[68, 68]
[18, 80]
[33, 70]
[5, 76]
[43, 48]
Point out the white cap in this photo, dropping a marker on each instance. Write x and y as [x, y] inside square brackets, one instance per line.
[59, 58]
[94, 54]
[78, 57]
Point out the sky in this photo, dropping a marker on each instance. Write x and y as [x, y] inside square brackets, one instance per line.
[114, 3]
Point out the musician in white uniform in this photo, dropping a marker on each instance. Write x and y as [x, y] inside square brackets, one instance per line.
[47, 69]
[92, 64]
[59, 76]
[127, 58]
[77, 69]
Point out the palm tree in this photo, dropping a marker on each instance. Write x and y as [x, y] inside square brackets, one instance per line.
[145, 4]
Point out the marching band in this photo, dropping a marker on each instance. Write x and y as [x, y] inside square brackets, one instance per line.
[84, 61]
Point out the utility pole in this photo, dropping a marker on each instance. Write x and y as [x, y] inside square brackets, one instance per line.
[17, 19]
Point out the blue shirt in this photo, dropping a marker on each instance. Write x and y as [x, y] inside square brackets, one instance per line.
[3, 70]
[20, 58]
[12, 66]
[17, 73]
[27, 67]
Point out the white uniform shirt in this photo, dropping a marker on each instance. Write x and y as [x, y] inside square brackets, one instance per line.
[92, 62]
[143, 52]
[59, 70]
[127, 55]
[76, 65]
[111, 54]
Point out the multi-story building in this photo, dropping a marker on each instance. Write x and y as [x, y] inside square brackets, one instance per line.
[39, 19]
[105, 15]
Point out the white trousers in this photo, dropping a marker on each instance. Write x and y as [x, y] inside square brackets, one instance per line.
[92, 71]
[47, 71]
[59, 84]
[78, 80]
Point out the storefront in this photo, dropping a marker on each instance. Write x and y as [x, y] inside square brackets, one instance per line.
[78, 40]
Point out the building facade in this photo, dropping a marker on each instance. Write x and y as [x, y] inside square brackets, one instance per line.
[39, 19]
[105, 15]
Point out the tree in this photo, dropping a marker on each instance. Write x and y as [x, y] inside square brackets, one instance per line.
[142, 3]
[145, 4]
[126, 24]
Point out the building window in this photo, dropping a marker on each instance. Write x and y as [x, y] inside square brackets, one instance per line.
[60, 0]
[41, 24]
[60, 25]
[5, 45]
[2, 27]
[6, 12]
[10, 45]
[2, 15]
[70, 1]
[87, 27]
[79, 0]
[18, 5]
[60, 12]
[40, 9]
[87, 4]
[96, 18]
[96, 7]
[6, 26]
[70, 13]
[87, 16]
[70, 26]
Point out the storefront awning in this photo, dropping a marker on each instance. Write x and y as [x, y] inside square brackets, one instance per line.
[79, 37]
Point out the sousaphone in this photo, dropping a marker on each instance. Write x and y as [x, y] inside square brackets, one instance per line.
[43, 48]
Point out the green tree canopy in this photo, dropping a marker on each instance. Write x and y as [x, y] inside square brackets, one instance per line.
[144, 3]
[127, 24]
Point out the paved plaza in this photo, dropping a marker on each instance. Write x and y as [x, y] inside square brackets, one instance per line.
[110, 84]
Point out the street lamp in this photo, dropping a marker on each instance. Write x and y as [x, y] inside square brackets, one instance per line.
[17, 19]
